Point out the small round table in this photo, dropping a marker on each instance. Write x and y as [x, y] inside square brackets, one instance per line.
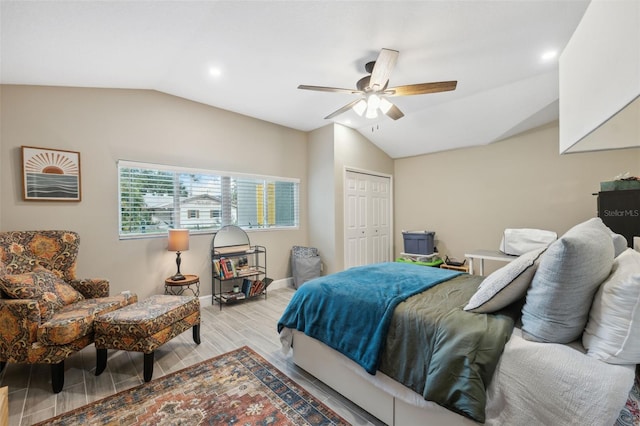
[190, 282]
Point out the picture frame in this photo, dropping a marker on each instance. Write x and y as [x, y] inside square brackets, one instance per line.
[50, 174]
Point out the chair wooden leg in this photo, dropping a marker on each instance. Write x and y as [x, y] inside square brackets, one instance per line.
[148, 366]
[101, 361]
[196, 333]
[57, 376]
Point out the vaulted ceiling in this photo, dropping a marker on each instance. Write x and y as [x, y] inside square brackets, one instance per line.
[250, 56]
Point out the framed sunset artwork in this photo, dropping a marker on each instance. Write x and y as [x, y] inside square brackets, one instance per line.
[50, 174]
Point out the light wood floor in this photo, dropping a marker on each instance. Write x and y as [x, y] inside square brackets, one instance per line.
[252, 323]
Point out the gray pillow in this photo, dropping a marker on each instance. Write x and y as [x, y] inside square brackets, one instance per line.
[506, 285]
[619, 243]
[570, 272]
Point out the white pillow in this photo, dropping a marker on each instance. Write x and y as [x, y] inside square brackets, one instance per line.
[506, 285]
[613, 334]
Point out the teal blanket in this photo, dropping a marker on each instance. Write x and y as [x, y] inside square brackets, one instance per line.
[350, 311]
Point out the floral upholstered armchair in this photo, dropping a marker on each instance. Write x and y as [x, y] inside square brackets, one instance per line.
[46, 313]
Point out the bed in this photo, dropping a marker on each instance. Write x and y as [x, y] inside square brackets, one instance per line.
[443, 370]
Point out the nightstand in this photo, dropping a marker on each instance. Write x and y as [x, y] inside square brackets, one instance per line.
[191, 283]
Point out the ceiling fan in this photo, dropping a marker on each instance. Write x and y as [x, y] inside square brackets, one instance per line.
[374, 91]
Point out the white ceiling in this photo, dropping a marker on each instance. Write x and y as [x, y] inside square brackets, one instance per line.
[265, 49]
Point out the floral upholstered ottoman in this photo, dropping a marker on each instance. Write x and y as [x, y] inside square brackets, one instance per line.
[145, 326]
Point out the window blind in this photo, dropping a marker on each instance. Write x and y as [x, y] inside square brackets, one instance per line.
[154, 198]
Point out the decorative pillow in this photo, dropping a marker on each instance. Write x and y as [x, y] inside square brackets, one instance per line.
[558, 301]
[65, 292]
[612, 331]
[33, 285]
[506, 285]
[21, 286]
[51, 292]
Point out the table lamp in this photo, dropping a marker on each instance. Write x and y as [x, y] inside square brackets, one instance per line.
[178, 241]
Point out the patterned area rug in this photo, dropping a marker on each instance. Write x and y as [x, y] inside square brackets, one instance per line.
[237, 388]
[630, 414]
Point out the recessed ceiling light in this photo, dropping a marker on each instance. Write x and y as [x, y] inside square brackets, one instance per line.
[215, 72]
[549, 55]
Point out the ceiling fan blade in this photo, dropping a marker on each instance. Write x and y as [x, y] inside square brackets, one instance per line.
[421, 88]
[394, 112]
[382, 69]
[345, 108]
[329, 89]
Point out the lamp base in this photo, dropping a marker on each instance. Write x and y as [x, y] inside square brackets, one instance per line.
[178, 276]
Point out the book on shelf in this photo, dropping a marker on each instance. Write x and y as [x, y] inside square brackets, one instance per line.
[256, 288]
[245, 272]
[226, 266]
[216, 267]
[259, 286]
[246, 286]
[231, 296]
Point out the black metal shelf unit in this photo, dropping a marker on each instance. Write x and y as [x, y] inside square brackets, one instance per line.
[238, 269]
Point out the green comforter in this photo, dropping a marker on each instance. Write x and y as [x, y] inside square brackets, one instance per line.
[444, 353]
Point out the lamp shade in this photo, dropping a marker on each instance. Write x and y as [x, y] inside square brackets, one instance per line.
[178, 240]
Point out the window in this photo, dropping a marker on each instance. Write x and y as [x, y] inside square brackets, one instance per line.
[154, 198]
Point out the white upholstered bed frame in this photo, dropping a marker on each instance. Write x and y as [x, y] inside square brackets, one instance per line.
[379, 395]
[537, 383]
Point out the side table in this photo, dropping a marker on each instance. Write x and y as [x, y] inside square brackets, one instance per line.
[191, 283]
[487, 255]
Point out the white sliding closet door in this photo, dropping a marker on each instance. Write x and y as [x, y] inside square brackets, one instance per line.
[367, 219]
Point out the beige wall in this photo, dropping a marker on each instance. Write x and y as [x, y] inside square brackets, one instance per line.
[332, 150]
[106, 125]
[321, 197]
[469, 196]
[353, 151]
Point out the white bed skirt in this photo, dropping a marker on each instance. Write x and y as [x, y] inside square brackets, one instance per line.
[535, 383]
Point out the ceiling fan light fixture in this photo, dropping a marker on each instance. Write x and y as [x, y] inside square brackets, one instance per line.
[373, 89]
[360, 107]
[373, 103]
[385, 105]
